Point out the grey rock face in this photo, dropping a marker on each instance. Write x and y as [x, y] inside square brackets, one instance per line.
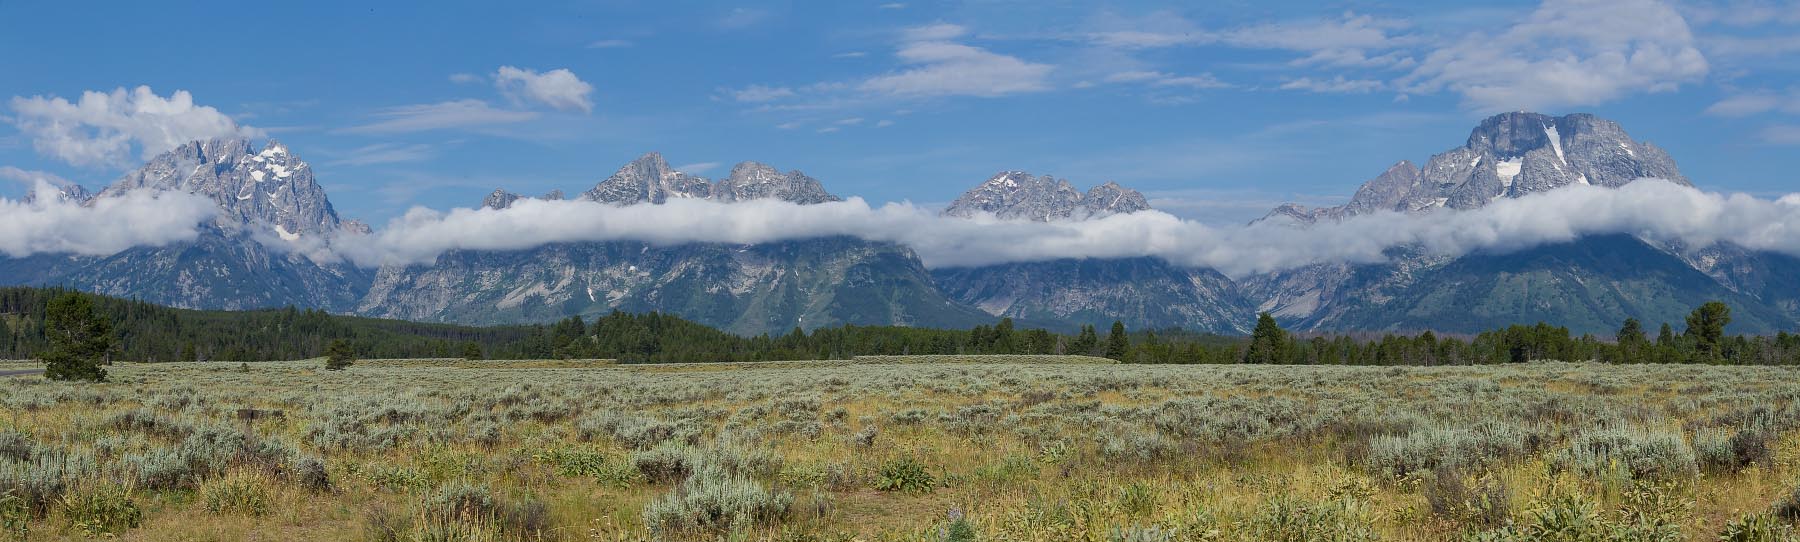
[753, 180]
[648, 179]
[268, 186]
[1016, 195]
[499, 199]
[68, 193]
[258, 191]
[754, 289]
[1507, 156]
[1144, 293]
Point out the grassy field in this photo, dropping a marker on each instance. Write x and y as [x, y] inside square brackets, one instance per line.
[987, 450]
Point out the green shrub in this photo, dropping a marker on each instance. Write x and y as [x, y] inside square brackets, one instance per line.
[1757, 528]
[1287, 519]
[15, 516]
[665, 464]
[1457, 448]
[238, 493]
[100, 510]
[461, 501]
[1640, 455]
[904, 474]
[714, 500]
[1718, 453]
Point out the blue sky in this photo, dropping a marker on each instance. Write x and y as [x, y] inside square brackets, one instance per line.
[1218, 112]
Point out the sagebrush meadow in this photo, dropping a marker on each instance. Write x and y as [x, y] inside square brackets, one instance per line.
[976, 448]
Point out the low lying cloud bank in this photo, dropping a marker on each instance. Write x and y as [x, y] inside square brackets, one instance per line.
[1653, 209]
[110, 225]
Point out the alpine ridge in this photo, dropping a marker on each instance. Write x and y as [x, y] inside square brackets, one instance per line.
[257, 252]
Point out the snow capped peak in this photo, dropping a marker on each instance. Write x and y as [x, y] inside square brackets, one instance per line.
[1015, 195]
[269, 185]
[1511, 155]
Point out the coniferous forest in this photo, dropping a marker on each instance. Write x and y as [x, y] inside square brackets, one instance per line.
[152, 333]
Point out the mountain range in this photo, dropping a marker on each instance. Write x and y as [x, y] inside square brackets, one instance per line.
[267, 194]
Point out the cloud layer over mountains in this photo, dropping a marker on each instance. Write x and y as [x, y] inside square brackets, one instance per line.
[110, 225]
[1653, 209]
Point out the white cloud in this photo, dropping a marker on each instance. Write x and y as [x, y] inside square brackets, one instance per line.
[1781, 135]
[1161, 79]
[385, 153]
[883, 123]
[558, 88]
[32, 177]
[610, 44]
[1566, 53]
[850, 54]
[933, 32]
[1352, 32]
[107, 226]
[697, 168]
[101, 128]
[742, 18]
[1654, 209]
[943, 68]
[1754, 103]
[893, 5]
[1336, 85]
[852, 121]
[761, 93]
[464, 78]
[438, 116]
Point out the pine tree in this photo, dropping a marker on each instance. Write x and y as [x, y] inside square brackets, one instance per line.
[1117, 344]
[1666, 337]
[1085, 342]
[471, 350]
[1632, 333]
[1706, 326]
[1268, 343]
[78, 338]
[339, 355]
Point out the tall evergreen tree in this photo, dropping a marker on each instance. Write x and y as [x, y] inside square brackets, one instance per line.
[1118, 346]
[1632, 333]
[79, 339]
[1665, 338]
[339, 355]
[1085, 342]
[1268, 343]
[1706, 326]
[471, 350]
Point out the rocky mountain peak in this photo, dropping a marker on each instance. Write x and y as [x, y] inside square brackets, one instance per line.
[1016, 195]
[755, 180]
[67, 193]
[269, 186]
[1110, 199]
[499, 199]
[1507, 156]
[648, 179]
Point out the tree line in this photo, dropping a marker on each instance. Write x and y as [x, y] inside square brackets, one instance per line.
[139, 331]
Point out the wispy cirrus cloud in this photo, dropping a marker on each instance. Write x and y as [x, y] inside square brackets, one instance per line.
[466, 113]
[385, 153]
